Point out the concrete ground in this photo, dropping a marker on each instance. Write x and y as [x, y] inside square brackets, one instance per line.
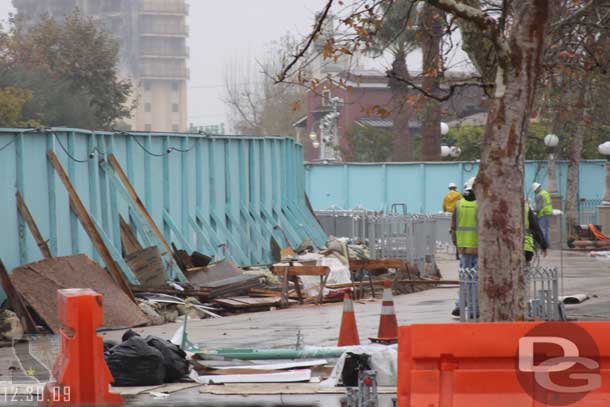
[319, 325]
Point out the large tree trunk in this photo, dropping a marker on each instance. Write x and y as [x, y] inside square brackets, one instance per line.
[431, 32]
[499, 185]
[575, 156]
[402, 144]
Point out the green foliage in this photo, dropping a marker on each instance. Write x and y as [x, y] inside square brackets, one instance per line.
[368, 144]
[470, 140]
[70, 70]
[12, 101]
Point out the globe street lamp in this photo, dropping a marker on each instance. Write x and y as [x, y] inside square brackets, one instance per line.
[551, 141]
[604, 149]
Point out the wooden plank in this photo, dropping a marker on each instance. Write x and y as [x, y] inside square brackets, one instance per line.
[128, 238]
[85, 219]
[375, 264]
[16, 302]
[29, 220]
[294, 271]
[114, 163]
[380, 282]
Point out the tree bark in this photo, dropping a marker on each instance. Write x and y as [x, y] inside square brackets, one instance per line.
[402, 143]
[499, 184]
[431, 33]
[574, 164]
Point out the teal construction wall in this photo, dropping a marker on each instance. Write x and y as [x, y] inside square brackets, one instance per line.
[376, 186]
[202, 191]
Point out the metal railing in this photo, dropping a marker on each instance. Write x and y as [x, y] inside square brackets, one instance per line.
[542, 294]
[409, 237]
[588, 212]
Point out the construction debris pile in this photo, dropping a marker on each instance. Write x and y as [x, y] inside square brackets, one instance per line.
[589, 238]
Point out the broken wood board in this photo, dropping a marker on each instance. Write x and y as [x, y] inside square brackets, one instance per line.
[38, 284]
[203, 276]
[248, 302]
[128, 238]
[279, 388]
[15, 302]
[289, 376]
[372, 264]
[148, 267]
[380, 283]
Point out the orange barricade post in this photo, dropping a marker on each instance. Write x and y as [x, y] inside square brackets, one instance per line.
[348, 333]
[83, 378]
[510, 364]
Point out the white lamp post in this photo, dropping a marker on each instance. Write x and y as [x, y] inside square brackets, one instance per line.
[551, 141]
[445, 151]
[604, 149]
[444, 129]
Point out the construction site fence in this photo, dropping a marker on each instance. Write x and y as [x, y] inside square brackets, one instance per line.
[221, 195]
[422, 186]
[409, 237]
[542, 294]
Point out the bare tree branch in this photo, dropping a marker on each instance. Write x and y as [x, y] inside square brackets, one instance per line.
[318, 27]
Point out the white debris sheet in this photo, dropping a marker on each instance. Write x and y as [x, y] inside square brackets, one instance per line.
[383, 360]
[287, 376]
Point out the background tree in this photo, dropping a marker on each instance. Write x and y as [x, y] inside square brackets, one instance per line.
[71, 70]
[257, 105]
[369, 144]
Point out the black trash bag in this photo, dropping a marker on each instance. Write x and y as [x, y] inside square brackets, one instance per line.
[128, 334]
[109, 344]
[354, 363]
[174, 358]
[135, 363]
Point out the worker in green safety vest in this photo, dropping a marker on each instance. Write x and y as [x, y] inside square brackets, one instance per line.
[464, 231]
[533, 236]
[543, 208]
[464, 228]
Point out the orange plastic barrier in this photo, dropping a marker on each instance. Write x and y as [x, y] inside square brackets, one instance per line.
[518, 364]
[83, 378]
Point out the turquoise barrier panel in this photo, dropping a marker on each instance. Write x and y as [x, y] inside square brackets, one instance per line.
[222, 195]
[422, 186]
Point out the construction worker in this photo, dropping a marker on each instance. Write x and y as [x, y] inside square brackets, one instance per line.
[464, 231]
[464, 227]
[533, 236]
[451, 198]
[544, 209]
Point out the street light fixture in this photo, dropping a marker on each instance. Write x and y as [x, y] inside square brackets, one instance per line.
[551, 141]
[444, 129]
[604, 149]
[445, 151]
[316, 144]
[313, 136]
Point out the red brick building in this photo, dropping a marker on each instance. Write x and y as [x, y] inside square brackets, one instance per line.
[360, 92]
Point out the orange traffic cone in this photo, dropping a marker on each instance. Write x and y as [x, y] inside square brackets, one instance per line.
[348, 335]
[388, 326]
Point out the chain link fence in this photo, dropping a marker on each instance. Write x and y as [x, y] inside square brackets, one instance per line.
[542, 294]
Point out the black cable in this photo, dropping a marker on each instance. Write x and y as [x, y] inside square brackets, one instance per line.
[68, 153]
[145, 149]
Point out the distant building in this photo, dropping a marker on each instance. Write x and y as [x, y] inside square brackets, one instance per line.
[152, 35]
[360, 92]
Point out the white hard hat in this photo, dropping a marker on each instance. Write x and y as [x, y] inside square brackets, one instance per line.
[535, 186]
[469, 184]
[452, 185]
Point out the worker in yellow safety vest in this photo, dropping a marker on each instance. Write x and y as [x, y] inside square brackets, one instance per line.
[465, 232]
[533, 236]
[543, 208]
[451, 198]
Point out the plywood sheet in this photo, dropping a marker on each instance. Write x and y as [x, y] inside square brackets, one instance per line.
[38, 283]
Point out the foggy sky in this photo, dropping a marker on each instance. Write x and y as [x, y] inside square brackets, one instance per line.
[227, 30]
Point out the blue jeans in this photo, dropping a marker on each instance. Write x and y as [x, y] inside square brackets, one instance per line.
[469, 261]
[545, 225]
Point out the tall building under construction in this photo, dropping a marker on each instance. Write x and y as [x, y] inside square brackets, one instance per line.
[152, 35]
